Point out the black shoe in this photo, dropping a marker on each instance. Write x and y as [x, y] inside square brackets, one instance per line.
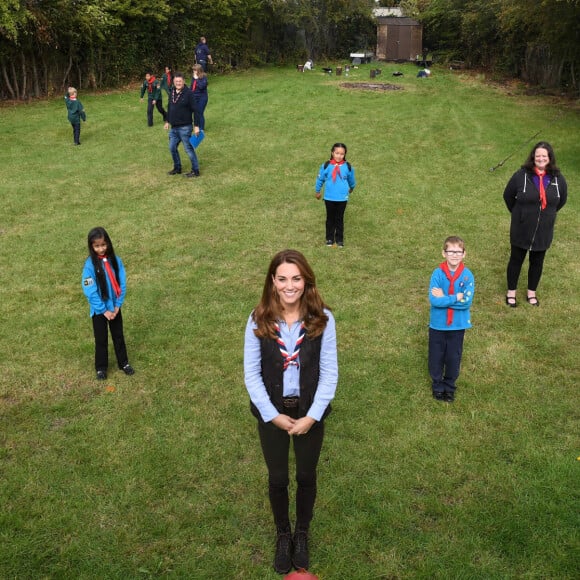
[533, 300]
[511, 301]
[283, 557]
[300, 557]
[438, 396]
[174, 172]
[192, 174]
[449, 397]
[128, 369]
[329, 243]
[101, 375]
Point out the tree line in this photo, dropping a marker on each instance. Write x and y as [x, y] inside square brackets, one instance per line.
[47, 45]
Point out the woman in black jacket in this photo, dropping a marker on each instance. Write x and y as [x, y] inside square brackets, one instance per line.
[534, 195]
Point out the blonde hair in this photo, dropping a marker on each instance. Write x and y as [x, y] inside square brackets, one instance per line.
[72, 91]
[197, 68]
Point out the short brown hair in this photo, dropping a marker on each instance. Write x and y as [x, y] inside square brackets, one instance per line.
[456, 240]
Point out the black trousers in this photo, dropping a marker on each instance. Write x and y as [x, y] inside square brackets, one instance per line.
[275, 447]
[159, 105]
[517, 257]
[76, 133]
[101, 328]
[445, 351]
[335, 221]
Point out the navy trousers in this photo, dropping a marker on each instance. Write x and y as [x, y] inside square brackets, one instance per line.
[150, 106]
[445, 350]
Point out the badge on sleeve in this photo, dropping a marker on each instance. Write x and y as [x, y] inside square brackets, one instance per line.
[88, 282]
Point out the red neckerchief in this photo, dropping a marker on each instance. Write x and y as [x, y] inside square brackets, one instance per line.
[111, 274]
[452, 278]
[336, 170]
[150, 84]
[540, 175]
[290, 359]
[194, 85]
[73, 97]
[168, 79]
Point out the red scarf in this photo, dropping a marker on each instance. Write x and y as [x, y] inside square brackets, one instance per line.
[336, 170]
[168, 79]
[540, 175]
[150, 83]
[111, 275]
[452, 278]
[194, 85]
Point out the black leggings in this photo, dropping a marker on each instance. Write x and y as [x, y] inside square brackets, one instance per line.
[514, 268]
[275, 447]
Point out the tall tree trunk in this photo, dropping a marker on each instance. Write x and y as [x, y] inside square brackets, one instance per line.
[24, 91]
[7, 80]
[67, 72]
[35, 80]
[15, 77]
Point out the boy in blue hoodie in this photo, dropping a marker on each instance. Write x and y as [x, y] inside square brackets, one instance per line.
[451, 294]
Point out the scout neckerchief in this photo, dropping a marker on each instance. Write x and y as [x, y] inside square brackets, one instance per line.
[336, 170]
[290, 359]
[111, 275]
[150, 83]
[452, 278]
[194, 85]
[541, 175]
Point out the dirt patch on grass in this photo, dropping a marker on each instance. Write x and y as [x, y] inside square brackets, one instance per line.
[371, 86]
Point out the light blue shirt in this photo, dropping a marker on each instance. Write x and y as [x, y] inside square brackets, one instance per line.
[327, 380]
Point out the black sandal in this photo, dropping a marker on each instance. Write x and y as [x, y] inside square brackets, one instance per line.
[530, 298]
[511, 304]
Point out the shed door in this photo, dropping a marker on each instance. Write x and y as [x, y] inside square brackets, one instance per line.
[393, 42]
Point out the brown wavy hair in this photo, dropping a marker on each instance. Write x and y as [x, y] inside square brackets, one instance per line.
[269, 309]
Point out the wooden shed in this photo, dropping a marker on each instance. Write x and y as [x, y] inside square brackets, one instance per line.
[399, 38]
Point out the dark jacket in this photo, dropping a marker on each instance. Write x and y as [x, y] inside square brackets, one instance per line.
[273, 374]
[75, 110]
[155, 94]
[180, 107]
[531, 227]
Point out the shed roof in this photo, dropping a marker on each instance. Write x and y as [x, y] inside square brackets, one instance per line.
[404, 21]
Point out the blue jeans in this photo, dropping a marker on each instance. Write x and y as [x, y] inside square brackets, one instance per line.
[198, 116]
[179, 135]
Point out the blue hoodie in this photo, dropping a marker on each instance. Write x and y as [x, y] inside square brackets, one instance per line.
[93, 294]
[335, 190]
[461, 309]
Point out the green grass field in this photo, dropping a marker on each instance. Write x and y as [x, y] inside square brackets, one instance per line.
[160, 475]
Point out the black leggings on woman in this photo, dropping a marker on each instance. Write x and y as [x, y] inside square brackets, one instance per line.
[514, 268]
[275, 447]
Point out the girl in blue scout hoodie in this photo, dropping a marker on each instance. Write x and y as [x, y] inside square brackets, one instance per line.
[338, 175]
[105, 284]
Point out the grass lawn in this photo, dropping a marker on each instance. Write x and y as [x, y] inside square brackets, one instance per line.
[160, 475]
